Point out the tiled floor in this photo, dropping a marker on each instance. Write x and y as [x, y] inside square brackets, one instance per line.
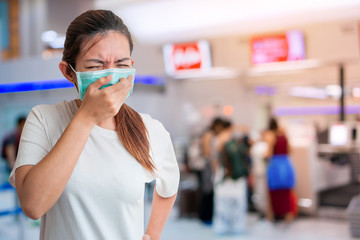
[301, 229]
[192, 229]
[23, 229]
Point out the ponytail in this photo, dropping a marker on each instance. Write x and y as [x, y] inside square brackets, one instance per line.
[134, 136]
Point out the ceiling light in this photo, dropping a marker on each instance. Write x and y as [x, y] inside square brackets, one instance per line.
[283, 67]
[333, 91]
[57, 43]
[208, 74]
[48, 36]
[308, 92]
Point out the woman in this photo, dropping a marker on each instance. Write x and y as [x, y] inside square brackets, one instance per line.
[280, 174]
[82, 165]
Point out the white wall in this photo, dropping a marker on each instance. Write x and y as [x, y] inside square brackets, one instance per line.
[33, 18]
[37, 16]
[61, 13]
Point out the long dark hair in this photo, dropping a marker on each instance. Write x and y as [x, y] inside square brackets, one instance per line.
[273, 125]
[129, 125]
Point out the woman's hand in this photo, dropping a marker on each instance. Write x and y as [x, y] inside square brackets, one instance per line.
[101, 104]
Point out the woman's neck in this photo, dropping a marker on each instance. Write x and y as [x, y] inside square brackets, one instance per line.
[108, 124]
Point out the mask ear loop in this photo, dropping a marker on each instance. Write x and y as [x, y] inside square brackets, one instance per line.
[77, 83]
[72, 68]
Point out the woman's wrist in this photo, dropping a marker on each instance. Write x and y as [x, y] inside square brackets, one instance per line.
[84, 120]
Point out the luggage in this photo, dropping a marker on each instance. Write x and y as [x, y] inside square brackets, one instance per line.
[189, 196]
[230, 206]
[189, 203]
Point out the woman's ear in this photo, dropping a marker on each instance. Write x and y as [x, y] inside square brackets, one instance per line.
[132, 63]
[67, 72]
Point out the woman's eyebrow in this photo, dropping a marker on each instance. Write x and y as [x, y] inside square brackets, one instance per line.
[102, 62]
[122, 60]
[95, 60]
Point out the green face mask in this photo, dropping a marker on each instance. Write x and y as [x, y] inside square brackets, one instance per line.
[84, 79]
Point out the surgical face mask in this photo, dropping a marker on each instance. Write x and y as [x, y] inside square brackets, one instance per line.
[84, 79]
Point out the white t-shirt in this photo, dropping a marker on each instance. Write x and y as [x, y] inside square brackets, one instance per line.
[257, 152]
[104, 198]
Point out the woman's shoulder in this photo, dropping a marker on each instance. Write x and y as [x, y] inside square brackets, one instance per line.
[64, 105]
[148, 119]
[153, 126]
[57, 110]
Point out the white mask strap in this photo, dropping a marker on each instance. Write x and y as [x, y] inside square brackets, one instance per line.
[72, 68]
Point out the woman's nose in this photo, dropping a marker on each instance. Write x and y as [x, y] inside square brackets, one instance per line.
[109, 66]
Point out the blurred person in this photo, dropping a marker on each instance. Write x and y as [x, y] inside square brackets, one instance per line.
[230, 132]
[208, 151]
[194, 159]
[244, 138]
[10, 144]
[280, 174]
[189, 193]
[258, 172]
[82, 165]
[231, 191]
[219, 142]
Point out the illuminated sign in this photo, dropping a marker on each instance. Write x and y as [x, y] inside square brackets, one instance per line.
[278, 47]
[182, 57]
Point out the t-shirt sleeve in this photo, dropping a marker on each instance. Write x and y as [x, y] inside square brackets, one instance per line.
[34, 143]
[168, 176]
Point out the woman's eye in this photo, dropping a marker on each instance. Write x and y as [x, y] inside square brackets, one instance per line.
[122, 65]
[93, 67]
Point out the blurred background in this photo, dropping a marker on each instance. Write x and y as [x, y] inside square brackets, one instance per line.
[244, 62]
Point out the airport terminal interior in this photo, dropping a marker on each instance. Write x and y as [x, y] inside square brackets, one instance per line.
[228, 68]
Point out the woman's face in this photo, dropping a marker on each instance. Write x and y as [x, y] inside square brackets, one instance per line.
[111, 51]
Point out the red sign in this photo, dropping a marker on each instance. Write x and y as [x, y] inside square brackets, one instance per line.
[186, 56]
[278, 48]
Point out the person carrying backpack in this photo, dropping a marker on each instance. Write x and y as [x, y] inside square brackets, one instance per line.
[231, 192]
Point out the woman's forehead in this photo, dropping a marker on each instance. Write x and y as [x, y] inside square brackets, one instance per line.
[105, 45]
